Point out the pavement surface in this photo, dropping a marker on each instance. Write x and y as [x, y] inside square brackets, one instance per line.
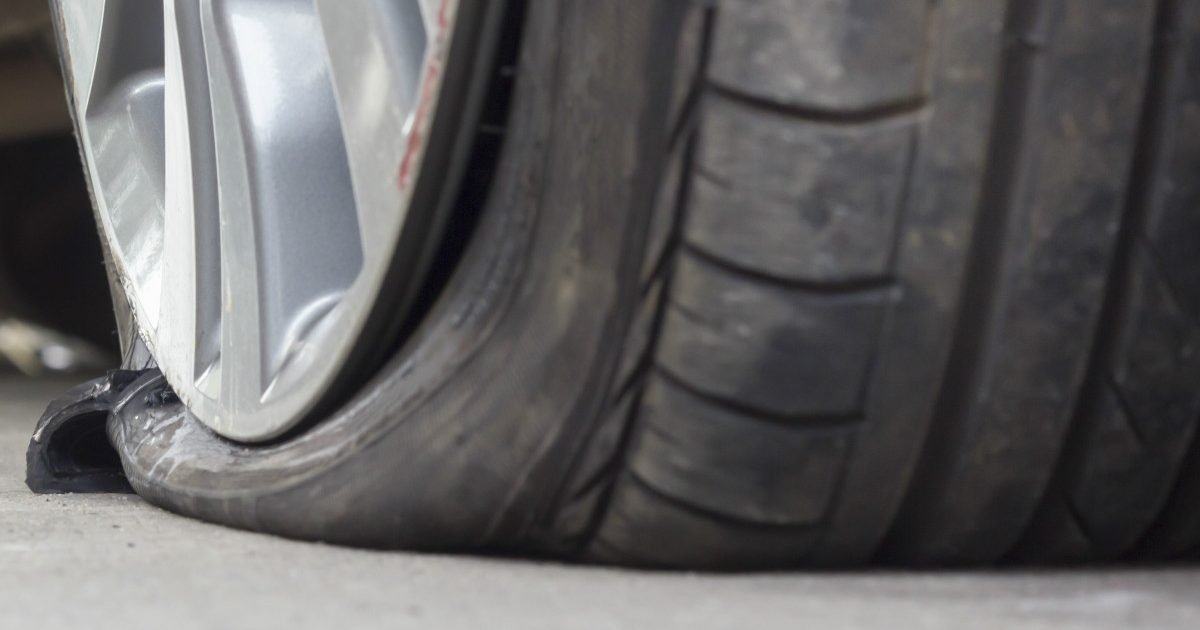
[98, 561]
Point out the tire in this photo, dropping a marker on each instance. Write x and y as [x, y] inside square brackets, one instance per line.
[769, 284]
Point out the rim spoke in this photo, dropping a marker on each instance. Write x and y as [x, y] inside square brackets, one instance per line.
[119, 95]
[177, 318]
[300, 204]
[376, 54]
[84, 21]
[197, 179]
[240, 367]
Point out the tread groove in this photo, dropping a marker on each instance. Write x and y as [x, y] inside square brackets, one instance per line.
[605, 471]
[1147, 158]
[666, 269]
[839, 287]
[1167, 64]
[972, 341]
[1127, 411]
[903, 110]
[689, 115]
[903, 200]
[687, 506]
[1173, 292]
[602, 474]
[1080, 523]
[659, 270]
[755, 414]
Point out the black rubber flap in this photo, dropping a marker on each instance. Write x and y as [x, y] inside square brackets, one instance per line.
[70, 450]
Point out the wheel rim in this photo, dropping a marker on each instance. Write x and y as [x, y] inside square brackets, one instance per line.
[253, 165]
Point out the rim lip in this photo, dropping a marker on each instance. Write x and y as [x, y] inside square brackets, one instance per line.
[451, 49]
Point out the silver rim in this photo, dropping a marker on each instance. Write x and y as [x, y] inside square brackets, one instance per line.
[253, 163]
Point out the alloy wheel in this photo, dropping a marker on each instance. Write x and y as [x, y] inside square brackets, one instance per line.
[253, 166]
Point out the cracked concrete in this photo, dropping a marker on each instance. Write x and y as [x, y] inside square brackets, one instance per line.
[75, 561]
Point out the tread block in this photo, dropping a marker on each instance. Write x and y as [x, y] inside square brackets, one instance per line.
[780, 351]
[1157, 361]
[689, 56]
[1177, 239]
[796, 199]
[644, 528]
[728, 463]
[593, 474]
[683, 105]
[1175, 226]
[1056, 536]
[641, 331]
[1113, 480]
[665, 212]
[828, 54]
[1035, 299]
[1147, 417]
[1174, 238]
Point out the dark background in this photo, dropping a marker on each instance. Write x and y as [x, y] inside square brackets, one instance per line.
[51, 265]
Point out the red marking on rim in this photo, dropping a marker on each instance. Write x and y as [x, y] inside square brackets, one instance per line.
[442, 15]
[428, 89]
[415, 138]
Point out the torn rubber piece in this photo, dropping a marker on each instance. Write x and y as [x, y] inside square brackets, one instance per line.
[70, 450]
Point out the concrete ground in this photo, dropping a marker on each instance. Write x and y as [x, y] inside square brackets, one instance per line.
[80, 561]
